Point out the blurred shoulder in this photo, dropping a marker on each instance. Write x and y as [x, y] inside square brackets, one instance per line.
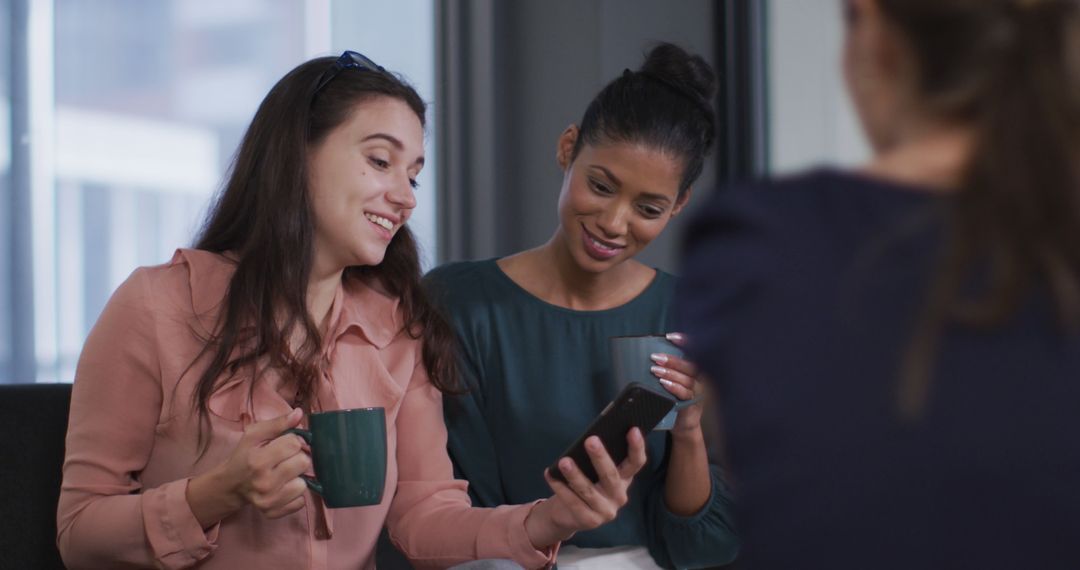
[781, 195]
[821, 196]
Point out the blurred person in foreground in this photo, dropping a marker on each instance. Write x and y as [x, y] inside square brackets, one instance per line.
[896, 348]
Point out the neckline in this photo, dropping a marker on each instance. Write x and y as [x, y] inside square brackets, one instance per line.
[654, 284]
[886, 185]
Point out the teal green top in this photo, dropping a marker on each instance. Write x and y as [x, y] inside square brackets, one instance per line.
[538, 375]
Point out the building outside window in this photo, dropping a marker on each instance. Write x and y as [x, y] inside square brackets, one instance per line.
[148, 103]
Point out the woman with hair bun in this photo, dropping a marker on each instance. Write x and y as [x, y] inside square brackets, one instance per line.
[534, 327]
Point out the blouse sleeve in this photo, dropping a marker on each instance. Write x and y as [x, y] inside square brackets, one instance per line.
[469, 437]
[704, 539]
[431, 519]
[470, 444]
[105, 517]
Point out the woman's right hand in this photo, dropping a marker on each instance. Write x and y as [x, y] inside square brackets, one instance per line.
[263, 471]
[581, 504]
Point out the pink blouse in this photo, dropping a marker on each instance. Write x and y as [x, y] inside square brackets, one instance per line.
[132, 441]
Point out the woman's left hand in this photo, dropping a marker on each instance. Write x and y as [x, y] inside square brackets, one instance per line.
[682, 379]
[578, 503]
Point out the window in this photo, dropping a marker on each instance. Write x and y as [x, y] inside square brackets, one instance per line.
[7, 228]
[811, 120]
[150, 102]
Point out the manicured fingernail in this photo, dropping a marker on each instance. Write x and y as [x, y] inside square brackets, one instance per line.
[659, 358]
[659, 371]
[667, 383]
[674, 337]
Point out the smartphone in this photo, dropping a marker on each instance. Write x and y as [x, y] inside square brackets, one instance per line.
[636, 406]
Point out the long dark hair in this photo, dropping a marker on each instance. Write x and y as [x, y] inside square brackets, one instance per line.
[1008, 69]
[666, 105]
[262, 218]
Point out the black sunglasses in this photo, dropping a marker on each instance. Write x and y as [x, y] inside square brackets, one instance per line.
[348, 60]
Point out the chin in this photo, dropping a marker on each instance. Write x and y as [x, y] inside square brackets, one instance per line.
[369, 258]
[591, 265]
[375, 260]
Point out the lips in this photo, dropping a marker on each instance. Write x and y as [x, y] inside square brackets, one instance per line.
[599, 249]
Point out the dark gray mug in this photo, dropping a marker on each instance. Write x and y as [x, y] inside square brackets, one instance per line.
[630, 362]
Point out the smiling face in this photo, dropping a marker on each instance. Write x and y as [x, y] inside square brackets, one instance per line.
[615, 199]
[361, 182]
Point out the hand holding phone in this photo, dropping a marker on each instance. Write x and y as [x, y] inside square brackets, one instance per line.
[580, 504]
[636, 406]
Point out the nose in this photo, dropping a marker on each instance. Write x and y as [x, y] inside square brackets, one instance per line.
[402, 195]
[613, 220]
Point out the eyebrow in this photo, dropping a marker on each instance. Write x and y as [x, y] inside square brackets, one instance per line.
[615, 179]
[607, 173]
[393, 141]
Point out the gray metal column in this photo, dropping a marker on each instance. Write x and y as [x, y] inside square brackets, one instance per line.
[743, 141]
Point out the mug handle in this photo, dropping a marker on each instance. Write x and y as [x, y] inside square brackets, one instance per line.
[680, 404]
[312, 483]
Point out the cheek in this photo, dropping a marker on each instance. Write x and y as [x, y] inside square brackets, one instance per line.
[341, 208]
[880, 131]
[645, 231]
[330, 227]
[336, 215]
[566, 201]
[578, 199]
[322, 210]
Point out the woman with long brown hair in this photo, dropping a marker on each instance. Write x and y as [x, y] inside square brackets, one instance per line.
[897, 347]
[301, 295]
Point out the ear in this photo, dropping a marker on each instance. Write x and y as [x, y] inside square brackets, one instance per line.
[564, 149]
[681, 202]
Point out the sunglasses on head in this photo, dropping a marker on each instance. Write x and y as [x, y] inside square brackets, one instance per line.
[348, 60]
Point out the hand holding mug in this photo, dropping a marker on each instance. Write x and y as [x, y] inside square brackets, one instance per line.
[657, 363]
[681, 378]
[268, 465]
[263, 470]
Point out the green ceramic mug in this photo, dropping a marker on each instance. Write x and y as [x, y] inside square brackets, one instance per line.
[348, 450]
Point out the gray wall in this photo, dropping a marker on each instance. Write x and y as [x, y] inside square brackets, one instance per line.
[550, 57]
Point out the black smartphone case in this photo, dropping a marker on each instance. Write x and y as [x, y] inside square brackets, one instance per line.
[636, 406]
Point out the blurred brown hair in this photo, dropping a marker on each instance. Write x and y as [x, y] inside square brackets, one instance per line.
[1007, 69]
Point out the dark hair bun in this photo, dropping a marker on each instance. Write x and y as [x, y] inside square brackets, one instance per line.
[688, 73]
[666, 105]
